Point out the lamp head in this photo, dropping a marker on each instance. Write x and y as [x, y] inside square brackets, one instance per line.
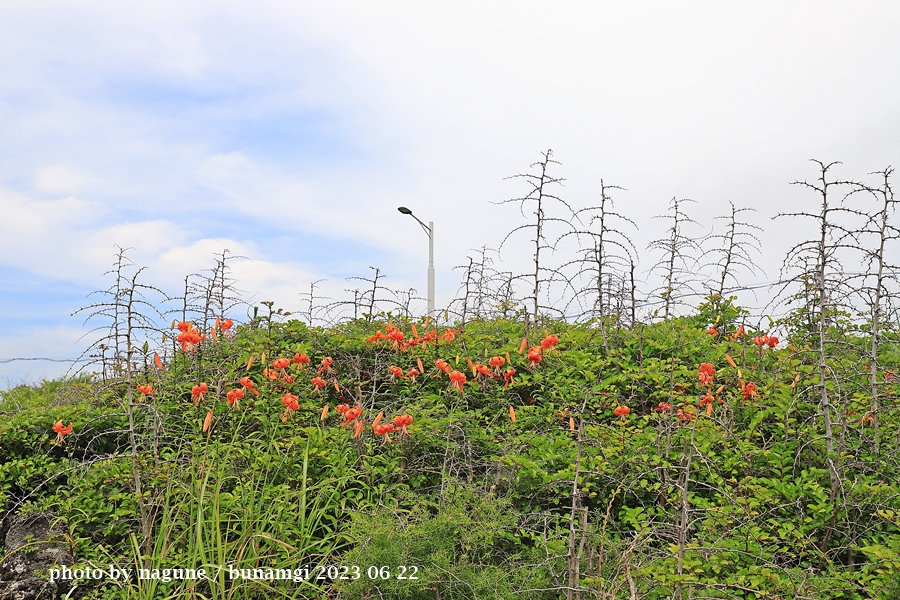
[404, 210]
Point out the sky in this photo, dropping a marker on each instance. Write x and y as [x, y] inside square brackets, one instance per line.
[289, 132]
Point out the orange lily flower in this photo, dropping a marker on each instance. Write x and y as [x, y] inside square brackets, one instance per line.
[318, 383]
[189, 338]
[748, 390]
[352, 414]
[686, 415]
[384, 429]
[706, 372]
[61, 432]
[248, 383]
[535, 356]
[376, 338]
[326, 365]
[145, 390]
[457, 380]
[234, 396]
[402, 422]
[622, 411]
[396, 336]
[449, 334]
[197, 392]
[291, 402]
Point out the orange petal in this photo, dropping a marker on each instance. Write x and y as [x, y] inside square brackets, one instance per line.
[509, 362]
[207, 421]
[157, 360]
[709, 409]
[218, 322]
[572, 423]
[415, 332]
[377, 419]
[214, 336]
[730, 361]
[324, 413]
[359, 427]
[524, 344]
[512, 414]
[427, 321]
[337, 388]
[421, 368]
[249, 362]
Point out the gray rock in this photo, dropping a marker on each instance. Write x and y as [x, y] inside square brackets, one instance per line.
[28, 589]
[34, 545]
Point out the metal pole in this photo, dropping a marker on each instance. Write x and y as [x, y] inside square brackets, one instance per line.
[431, 269]
[429, 230]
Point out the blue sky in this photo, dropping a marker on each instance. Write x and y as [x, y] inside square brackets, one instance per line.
[289, 132]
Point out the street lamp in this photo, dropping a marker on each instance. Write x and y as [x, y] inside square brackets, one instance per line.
[429, 229]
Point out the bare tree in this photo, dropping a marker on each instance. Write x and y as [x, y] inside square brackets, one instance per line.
[311, 298]
[877, 295]
[540, 199]
[480, 291]
[126, 327]
[677, 261]
[735, 248]
[816, 264]
[213, 293]
[605, 258]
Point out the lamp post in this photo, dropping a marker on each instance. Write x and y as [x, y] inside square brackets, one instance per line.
[429, 229]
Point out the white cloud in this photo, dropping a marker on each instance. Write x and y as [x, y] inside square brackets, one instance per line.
[182, 129]
[62, 179]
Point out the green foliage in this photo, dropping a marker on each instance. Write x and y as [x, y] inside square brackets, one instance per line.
[732, 496]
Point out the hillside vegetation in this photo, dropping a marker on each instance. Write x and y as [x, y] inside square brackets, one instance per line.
[543, 437]
[689, 457]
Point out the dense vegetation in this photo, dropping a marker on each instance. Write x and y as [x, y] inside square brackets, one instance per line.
[717, 482]
[505, 453]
